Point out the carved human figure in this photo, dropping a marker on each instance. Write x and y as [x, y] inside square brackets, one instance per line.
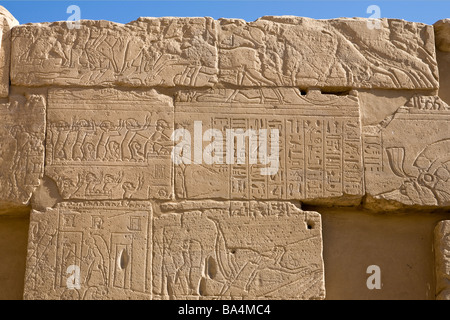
[83, 127]
[189, 274]
[96, 274]
[18, 168]
[112, 183]
[107, 128]
[133, 127]
[86, 184]
[113, 151]
[129, 188]
[62, 131]
[159, 142]
[137, 152]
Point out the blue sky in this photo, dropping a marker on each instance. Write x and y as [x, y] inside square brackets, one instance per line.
[125, 11]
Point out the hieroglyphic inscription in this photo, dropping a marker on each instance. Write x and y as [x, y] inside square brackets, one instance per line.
[319, 144]
[237, 250]
[22, 147]
[110, 144]
[407, 155]
[147, 52]
[110, 243]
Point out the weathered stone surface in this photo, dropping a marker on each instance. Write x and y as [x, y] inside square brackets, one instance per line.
[195, 52]
[328, 113]
[442, 34]
[109, 241]
[320, 148]
[148, 52]
[302, 52]
[442, 260]
[399, 243]
[377, 105]
[22, 132]
[195, 250]
[406, 156]
[236, 250]
[7, 21]
[110, 144]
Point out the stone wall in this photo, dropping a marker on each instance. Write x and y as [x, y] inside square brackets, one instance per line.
[193, 158]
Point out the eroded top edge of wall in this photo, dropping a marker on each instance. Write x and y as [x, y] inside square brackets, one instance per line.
[203, 52]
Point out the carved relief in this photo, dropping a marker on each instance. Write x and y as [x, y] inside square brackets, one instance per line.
[236, 250]
[110, 144]
[147, 52]
[109, 241]
[407, 155]
[22, 147]
[302, 52]
[199, 52]
[320, 150]
[103, 136]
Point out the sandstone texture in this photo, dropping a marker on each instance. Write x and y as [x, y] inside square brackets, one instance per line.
[108, 241]
[193, 158]
[199, 52]
[417, 173]
[22, 129]
[149, 52]
[212, 250]
[320, 158]
[7, 22]
[110, 144]
[304, 52]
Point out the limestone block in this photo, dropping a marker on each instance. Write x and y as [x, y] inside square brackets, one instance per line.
[338, 53]
[109, 242]
[165, 52]
[442, 33]
[406, 156]
[237, 250]
[442, 259]
[319, 146]
[22, 132]
[206, 249]
[272, 51]
[377, 105]
[7, 22]
[106, 144]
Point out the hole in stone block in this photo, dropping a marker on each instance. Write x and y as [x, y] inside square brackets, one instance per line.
[124, 259]
[211, 268]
